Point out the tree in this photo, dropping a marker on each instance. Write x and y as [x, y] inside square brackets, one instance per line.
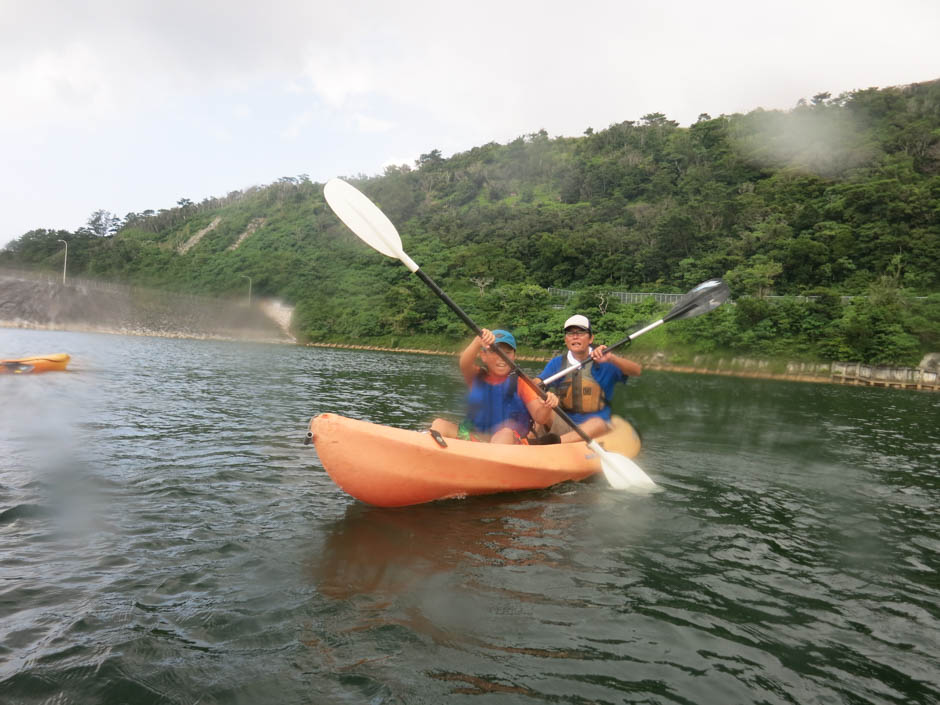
[482, 283]
[756, 278]
[431, 160]
[34, 246]
[103, 223]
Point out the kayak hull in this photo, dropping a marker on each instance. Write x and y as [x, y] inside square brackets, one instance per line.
[35, 364]
[393, 467]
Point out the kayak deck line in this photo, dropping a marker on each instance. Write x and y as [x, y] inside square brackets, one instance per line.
[392, 467]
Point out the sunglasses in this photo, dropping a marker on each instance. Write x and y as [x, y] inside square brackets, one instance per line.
[577, 331]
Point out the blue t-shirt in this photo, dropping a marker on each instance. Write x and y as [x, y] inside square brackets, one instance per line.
[606, 374]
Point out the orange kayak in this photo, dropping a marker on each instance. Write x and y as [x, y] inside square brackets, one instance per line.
[37, 363]
[393, 467]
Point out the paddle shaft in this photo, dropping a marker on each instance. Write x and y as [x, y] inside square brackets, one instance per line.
[512, 363]
[610, 348]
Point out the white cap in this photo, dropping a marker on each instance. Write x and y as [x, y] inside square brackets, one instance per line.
[579, 321]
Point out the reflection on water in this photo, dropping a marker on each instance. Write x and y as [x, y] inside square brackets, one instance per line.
[451, 577]
[166, 537]
[388, 552]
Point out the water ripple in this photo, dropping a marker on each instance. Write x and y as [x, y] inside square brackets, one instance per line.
[165, 537]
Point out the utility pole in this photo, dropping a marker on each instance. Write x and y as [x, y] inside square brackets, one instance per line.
[249, 288]
[65, 261]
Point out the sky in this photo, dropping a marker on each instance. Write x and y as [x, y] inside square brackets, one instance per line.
[129, 105]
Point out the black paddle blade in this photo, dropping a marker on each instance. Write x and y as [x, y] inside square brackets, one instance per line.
[702, 299]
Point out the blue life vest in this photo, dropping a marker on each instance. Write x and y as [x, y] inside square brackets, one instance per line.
[494, 406]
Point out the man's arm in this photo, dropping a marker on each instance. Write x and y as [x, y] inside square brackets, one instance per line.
[551, 367]
[627, 367]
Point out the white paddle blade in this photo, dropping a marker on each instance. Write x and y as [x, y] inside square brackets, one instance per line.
[705, 297]
[622, 473]
[364, 218]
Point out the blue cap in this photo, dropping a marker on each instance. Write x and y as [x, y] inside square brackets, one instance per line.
[504, 336]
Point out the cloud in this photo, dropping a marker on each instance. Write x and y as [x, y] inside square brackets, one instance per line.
[297, 124]
[497, 68]
[287, 79]
[366, 123]
[337, 78]
[56, 85]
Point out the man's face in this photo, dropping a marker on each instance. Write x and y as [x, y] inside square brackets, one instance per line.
[577, 339]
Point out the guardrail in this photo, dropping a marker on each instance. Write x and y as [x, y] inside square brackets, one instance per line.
[623, 296]
[630, 297]
[82, 283]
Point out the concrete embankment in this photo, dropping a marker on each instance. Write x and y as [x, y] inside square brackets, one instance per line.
[40, 302]
[925, 378]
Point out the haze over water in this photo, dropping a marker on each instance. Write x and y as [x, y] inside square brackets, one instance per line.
[165, 537]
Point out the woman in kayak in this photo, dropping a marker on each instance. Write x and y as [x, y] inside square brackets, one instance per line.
[585, 394]
[500, 409]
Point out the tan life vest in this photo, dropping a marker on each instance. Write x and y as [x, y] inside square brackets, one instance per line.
[579, 393]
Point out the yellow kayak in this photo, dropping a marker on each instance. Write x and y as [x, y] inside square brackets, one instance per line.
[393, 467]
[37, 363]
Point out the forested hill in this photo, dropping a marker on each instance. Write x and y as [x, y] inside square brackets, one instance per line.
[838, 196]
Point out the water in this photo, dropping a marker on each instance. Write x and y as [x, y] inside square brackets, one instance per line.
[165, 537]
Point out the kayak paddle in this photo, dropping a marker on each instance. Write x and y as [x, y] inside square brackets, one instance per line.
[374, 228]
[705, 297]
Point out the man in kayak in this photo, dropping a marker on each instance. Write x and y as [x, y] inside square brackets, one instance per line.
[585, 394]
[500, 408]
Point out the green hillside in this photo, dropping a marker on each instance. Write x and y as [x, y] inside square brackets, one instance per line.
[837, 197]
